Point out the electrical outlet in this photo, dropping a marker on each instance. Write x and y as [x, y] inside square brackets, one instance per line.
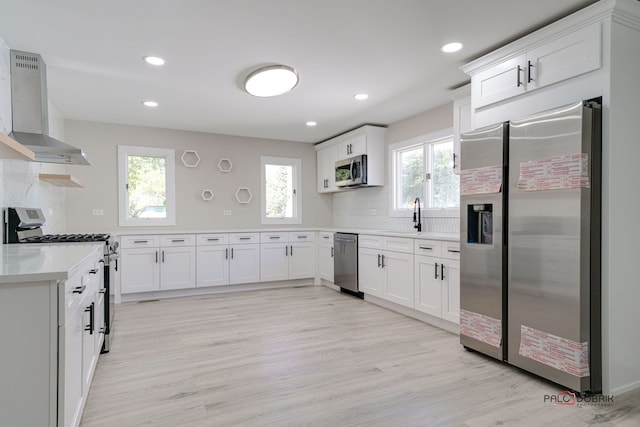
[226, 213]
[97, 212]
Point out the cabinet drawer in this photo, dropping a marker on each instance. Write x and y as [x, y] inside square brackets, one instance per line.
[325, 236]
[236, 238]
[451, 250]
[141, 241]
[427, 247]
[370, 241]
[212, 239]
[398, 244]
[177, 240]
[302, 236]
[274, 237]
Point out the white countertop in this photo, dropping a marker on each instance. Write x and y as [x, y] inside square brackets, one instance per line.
[20, 263]
[409, 234]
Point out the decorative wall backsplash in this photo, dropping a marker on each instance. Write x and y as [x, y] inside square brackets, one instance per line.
[368, 208]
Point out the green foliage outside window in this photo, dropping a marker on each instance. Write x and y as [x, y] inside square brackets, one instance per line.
[147, 187]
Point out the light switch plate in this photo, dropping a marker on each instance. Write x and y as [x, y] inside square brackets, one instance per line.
[97, 212]
[226, 213]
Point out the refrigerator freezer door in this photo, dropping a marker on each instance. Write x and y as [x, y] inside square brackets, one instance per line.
[481, 240]
[553, 247]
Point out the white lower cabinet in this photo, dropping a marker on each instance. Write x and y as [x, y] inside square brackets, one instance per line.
[384, 273]
[325, 256]
[437, 279]
[212, 260]
[293, 257]
[244, 258]
[154, 263]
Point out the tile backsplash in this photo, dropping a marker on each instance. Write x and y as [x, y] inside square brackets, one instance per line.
[369, 208]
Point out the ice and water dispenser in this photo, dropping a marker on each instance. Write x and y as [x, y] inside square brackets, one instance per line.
[480, 223]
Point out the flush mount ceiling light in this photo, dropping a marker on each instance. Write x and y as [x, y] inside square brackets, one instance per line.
[361, 96]
[150, 104]
[271, 81]
[311, 123]
[153, 60]
[451, 47]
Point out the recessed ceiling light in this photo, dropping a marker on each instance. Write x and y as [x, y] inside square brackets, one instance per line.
[150, 103]
[153, 60]
[311, 124]
[451, 47]
[361, 96]
[271, 81]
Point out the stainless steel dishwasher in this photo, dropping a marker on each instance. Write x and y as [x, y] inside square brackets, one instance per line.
[345, 262]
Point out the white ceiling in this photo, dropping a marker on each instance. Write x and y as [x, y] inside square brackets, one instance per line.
[389, 49]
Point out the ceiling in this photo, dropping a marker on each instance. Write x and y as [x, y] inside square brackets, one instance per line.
[389, 49]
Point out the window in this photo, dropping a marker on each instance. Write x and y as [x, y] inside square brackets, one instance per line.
[423, 167]
[281, 181]
[146, 188]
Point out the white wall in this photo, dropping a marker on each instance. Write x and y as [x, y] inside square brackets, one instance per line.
[100, 142]
[369, 207]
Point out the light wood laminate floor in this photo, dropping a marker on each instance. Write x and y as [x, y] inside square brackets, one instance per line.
[314, 357]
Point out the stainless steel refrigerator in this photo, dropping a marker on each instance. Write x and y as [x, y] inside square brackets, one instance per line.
[530, 244]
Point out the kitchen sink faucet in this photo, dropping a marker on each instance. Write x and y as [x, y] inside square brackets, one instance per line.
[416, 220]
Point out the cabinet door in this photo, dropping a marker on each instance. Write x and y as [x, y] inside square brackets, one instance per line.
[399, 276]
[70, 368]
[140, 270]
[5, 90]
[371, 278]
[428, 286]
[461, 124]
[212, 265]
[100, 324]
[324, 160]
[576, 53]
[499, 82]
[354, 146]
[451, 291]
[244, 265]
[325, 260]
[302, 260]
[178, 267]
[274, 263]
[88, 342]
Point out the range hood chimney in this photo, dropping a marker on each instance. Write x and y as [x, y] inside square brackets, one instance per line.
[30, 111]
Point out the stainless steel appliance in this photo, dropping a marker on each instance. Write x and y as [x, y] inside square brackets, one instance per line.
[345, 261]
[530, 244]
[351, 172]
[24, 225]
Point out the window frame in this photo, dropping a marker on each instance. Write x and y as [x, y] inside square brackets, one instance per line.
[423, 141]
[297, 187]
[124, 151]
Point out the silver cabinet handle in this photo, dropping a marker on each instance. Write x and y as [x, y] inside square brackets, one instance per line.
[428, 248]
[302, 237]
[245, 238]
[274, 237]
[231, 253]
[286, 251]
[140, 241]
[213, 239]
[162, 256]
[436, 270]
[177, 240]
[226, 253]
[326, 237]
[454, 251]
[291, 250]
[382, 265]
[378, 260]
[442, 271]
[156, 257]
[331, 251]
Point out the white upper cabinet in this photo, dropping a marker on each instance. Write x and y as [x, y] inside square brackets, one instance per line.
[540, 64]
[5, 88]
[366, 140]
[462, 121]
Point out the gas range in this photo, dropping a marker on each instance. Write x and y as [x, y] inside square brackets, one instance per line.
[24, 225]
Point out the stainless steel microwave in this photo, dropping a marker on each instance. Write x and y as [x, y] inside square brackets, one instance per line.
[351, 172]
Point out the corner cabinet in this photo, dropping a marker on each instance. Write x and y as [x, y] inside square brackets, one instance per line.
[366, 140]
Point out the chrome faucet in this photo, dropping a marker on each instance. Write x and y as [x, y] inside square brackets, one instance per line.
[416, 220]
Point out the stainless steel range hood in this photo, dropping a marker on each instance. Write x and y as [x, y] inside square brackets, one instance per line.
[30, 111]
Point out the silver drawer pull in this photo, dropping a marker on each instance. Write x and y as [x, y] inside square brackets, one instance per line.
[454, 251]
[177, 240]
[79, 289]
[213, 239]
[272, 237]
[140, 241]
[326, 237]
[429, 248]
[245, 238]
[302, 237]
